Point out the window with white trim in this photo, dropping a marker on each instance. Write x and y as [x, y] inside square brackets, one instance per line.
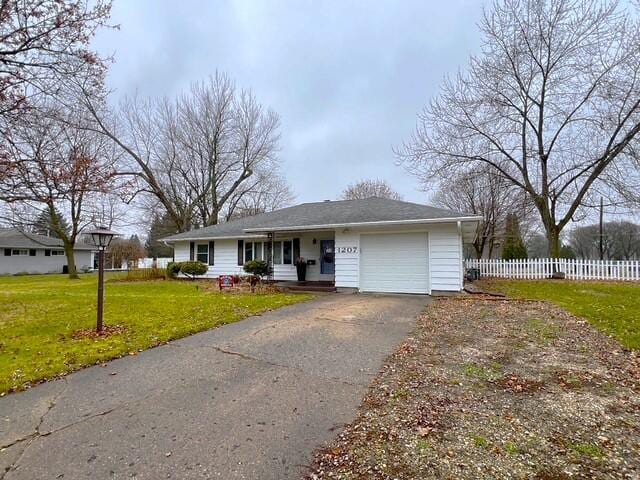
[258, 251]
[20, 252]
[202, 253]
[254, 251]
[277, 253]
[283, 252]
[57, 253]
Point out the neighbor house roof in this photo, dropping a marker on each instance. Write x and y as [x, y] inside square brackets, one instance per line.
[16, 238]
[327, 214]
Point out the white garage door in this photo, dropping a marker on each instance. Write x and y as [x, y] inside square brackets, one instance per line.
[397, 262]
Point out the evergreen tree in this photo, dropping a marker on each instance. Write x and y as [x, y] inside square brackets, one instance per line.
[42, 224]
[161, 226]
[513, 244]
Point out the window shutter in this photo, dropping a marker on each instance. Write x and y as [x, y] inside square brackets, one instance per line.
[296, 249]
[211, 252]
[7, 252]
[47, 253]
[240, 252]
[32, 252]
[192, 247]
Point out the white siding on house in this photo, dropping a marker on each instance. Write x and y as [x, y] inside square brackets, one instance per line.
[347, 263]
[226, 256]
[42, 264]
[446, 257]
[181, 251]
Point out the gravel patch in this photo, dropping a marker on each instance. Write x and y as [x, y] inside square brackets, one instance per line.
[496, 388]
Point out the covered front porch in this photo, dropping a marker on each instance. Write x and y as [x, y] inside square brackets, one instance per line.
[316, 249]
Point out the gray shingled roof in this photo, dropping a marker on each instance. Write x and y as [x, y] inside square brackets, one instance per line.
[15, 238]
[341, 212]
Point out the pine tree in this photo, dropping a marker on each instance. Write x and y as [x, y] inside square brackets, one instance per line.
[514, 247]
[161, 226]
[42, 224]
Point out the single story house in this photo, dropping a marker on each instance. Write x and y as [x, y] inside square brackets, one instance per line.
[24, 252]
[368, 245]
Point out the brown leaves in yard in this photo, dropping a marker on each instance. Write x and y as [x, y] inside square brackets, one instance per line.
[107, 331]
[516, 384]
[431, 415]
[493, 388]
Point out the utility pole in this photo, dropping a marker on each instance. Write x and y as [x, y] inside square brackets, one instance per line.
[601, 246]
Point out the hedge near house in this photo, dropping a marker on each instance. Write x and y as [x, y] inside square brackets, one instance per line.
[173, 269]
[257, 267]
[190, 269]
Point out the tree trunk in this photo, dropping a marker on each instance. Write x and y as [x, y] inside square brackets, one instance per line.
[71, 261]
[553, 238]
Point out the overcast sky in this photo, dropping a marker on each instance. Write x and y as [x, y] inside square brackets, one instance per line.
[347, 78]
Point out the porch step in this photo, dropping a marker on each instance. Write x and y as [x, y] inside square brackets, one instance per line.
[310, 288]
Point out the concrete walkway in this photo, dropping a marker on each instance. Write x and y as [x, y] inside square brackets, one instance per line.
[250, 400]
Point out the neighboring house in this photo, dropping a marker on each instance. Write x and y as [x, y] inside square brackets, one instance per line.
[23, 252]
[369, 245]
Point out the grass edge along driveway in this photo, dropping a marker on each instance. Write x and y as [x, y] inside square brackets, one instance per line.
[41, 315]
[611, 307]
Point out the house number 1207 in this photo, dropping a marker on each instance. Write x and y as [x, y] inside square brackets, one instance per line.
[347, 249]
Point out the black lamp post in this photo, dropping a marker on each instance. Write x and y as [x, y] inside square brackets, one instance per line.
[101, 238]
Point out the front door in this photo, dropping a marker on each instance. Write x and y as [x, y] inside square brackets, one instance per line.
[327, 257]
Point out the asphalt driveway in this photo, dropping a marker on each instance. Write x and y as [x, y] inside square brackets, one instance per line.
[250, 400]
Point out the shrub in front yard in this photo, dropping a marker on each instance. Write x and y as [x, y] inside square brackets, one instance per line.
[173, 269]
[257, 267]
[193, 269]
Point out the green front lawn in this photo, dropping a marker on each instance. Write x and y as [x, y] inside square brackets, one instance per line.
[613, 308]
[40, 314]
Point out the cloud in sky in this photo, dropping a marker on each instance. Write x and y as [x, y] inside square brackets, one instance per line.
[346, 77]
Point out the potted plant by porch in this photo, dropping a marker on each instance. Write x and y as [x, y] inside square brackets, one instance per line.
[301, 269]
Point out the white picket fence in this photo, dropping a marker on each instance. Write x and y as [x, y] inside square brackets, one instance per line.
[540, 268]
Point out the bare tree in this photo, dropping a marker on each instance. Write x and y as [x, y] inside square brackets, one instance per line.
[58, 170]
[44, 44]
[195, 155]
[368, 188]
[265, 193]
[552, 103]
[482, 191]
[125, 250]
[626, 240]
[620, 241]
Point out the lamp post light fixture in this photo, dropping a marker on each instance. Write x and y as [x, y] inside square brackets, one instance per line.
[101, 238]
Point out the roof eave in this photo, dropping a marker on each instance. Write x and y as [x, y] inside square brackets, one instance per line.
[470, 218]
[209, 237]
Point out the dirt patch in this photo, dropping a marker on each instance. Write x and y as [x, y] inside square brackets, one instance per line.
[490, 388]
